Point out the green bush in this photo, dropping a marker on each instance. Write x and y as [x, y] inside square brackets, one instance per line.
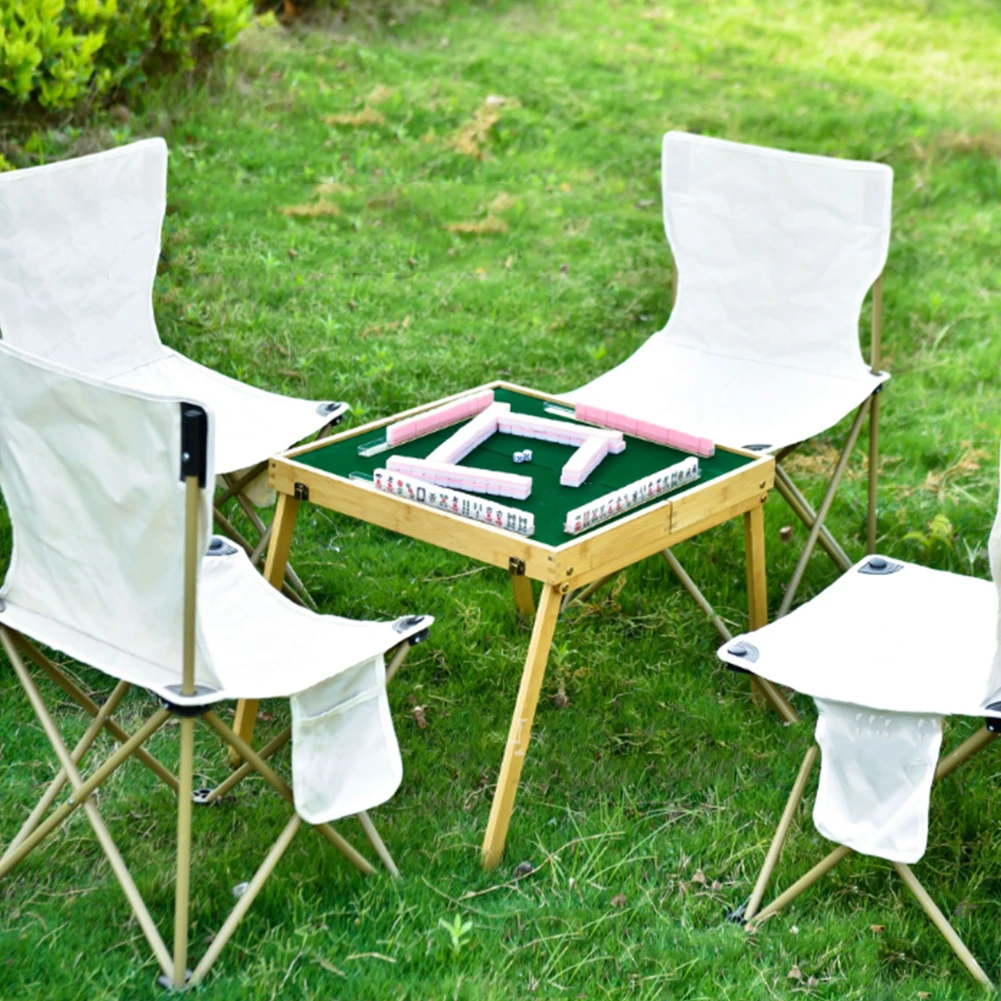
[55, 54]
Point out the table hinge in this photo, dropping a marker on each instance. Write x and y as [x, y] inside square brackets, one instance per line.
[516, 567]
[301, 492]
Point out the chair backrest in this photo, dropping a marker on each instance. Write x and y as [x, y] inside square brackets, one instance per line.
[775, 251]
[91, 475]
[79, 244]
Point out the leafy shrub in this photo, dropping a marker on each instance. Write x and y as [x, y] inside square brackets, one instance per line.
[55, 54]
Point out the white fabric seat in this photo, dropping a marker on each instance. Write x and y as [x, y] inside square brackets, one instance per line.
[247, 629]
[882, 688]
[106, 489]
[774, 253]
[90, 476]
[873, 640]
[742, 402]
[251, 423]
[886, 651]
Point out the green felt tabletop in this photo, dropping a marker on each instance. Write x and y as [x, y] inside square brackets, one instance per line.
[549, 501]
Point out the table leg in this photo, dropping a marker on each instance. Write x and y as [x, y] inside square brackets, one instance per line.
[521, 725]
[274, 572]
[757, 582]
[523, 600]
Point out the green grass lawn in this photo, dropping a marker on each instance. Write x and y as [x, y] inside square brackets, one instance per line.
[389, 216]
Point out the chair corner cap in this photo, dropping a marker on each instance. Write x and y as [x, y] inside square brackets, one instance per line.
[333, 410]
[879, 566]
[743, 650]
[218, 546]
[408, 622]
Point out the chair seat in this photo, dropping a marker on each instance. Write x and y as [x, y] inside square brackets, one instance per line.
[734, 401]
[258, 643]
[251, 424]
[914, 640]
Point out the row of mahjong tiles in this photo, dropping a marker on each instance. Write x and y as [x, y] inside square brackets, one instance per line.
[521, 521]
[549, 501]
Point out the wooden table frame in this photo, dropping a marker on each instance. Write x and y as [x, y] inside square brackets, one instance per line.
[574, 564]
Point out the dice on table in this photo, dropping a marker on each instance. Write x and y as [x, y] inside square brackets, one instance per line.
[526, 455]
[518, 457]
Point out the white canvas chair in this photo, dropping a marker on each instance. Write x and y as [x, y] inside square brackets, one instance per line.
[79, 246]
[886, 651]
[112, 565]
[773, 254]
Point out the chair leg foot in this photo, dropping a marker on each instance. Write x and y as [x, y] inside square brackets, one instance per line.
[247, 898]
[803, 883]
[378, 844]
[781, 833]
[167, 983]
[939, 920]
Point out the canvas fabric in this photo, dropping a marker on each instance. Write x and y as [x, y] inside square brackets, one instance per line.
[344, 718]
[914, 641]
[79, 247]
[876, 772]
[775, 252]
[91, 478]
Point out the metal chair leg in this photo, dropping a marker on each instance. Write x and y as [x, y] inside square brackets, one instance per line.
[90, 706]
[770, 692]
[290, 575]
[83, 745]
[939, 920]
[699, 598]
[211, 718]
[83, 798]
[825, 506]
[803, 883]
[182, 889]
[870, 538]
[803, 510]
[781, 832]
[377, 843]
[585, 592]
[243, 904]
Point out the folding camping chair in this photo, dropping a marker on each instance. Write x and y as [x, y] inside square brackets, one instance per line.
[773, 252]
[79, 246]
[112, 565]
[886, 651]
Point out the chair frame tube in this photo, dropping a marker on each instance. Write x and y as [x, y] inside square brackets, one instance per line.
[875, 361]
[74, 691]
[825, 506]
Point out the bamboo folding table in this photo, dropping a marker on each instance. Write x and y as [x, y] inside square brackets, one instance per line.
[337, 475]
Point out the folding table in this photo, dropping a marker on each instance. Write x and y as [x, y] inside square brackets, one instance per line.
[337, 476]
